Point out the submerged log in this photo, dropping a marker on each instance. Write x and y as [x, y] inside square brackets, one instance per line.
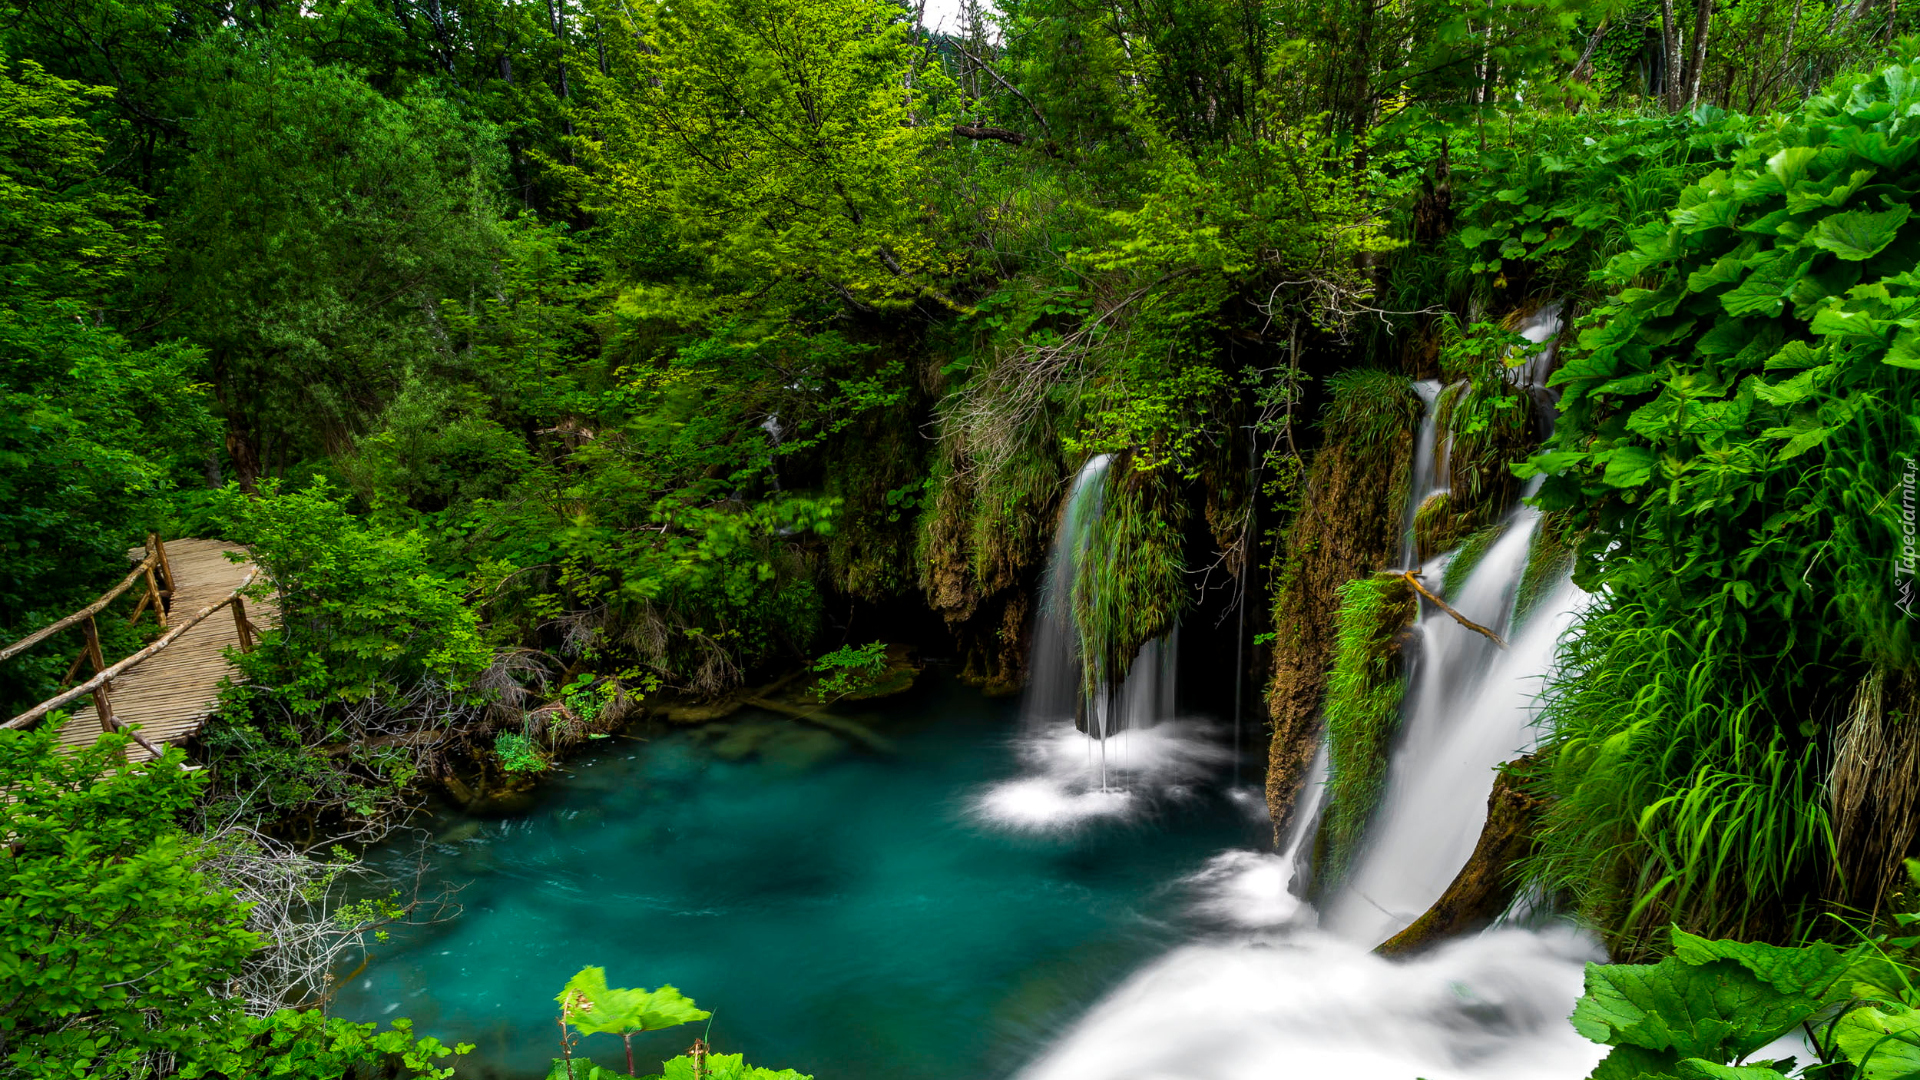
[839, 725]
[1484, 887]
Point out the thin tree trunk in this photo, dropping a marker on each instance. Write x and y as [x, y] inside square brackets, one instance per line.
[1786, 52]
[1697, 58]
[1669, 57]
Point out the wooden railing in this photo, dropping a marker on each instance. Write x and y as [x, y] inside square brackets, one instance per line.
[154, 569]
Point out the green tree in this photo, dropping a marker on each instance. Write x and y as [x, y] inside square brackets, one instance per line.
[368, 642]
[785, 146]
[313, 234]
[92, 430]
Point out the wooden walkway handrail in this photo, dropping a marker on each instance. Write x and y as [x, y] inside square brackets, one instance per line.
[90, 610]
[39, 711]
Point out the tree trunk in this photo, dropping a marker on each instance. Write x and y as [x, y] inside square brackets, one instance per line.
[1697, 58]
[243, 449]
[1669, 57]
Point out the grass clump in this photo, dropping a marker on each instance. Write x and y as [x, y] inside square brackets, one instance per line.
[1362, 709]
[1473, 549]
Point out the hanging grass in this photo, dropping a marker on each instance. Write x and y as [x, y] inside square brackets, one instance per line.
[1549, 559]
[1436, 526]
[1676, 796]
[1362, 709]
[1473, 549]
[1348, 525]
[1134, 587]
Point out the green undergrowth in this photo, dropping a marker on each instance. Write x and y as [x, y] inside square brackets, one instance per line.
[1362, 708]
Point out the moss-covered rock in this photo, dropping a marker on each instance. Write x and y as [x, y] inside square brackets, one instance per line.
[1486, 885]
[1348, 524]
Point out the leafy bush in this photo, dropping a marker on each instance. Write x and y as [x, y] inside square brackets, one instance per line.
[369, 647]
[115, 949]
[109, 935]
[309, 1045]
[850, 669]
[517, 752]
[1702, 1011]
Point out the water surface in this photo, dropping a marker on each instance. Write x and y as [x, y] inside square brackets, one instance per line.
[847, 913]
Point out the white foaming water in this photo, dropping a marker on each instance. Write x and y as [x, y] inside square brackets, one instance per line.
[1064, 785]
[1429, 474]
[1469, 708]
[1103, 752]
[1491, 1007]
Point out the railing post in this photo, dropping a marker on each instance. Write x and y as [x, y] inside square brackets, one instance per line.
[166, 568]
[159, 607]
[241, 624]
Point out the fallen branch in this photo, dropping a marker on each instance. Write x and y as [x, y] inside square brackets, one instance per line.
[1413, 579]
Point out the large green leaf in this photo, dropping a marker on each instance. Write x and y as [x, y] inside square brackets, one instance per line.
[1635, 1063]
[1814, 970]
[1629, 466]
[1702, 1069]
[1860, 234]
[1715, 1010]
[725, 1067]
[615, 1010]
[1883, 1045]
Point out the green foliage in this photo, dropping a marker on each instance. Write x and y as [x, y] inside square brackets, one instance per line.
[1362, 709]
[850, 669]
[711, 1067]
[359, 617]
[781, 145]
[308, 1045]
[92, 428]
[109, 936]
[593, 1008]
[313, 220]
[517, 752]
[1130, 586]
[1733, 423]
[1701, 1011]
[1562, 194]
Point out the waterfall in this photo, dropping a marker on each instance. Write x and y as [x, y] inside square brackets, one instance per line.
[1429, 470]
[1102, 751]
[1283, 989]
[1468, 709]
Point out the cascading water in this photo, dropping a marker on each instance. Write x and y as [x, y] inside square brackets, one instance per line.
[1092, 751]
[1284, 989]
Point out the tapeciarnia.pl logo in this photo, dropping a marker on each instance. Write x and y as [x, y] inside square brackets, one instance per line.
[1903, 566]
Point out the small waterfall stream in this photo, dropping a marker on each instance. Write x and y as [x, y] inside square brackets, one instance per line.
[1285, 989]
[1101, 750]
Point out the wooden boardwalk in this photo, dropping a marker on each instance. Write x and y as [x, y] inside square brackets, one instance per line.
[168, 693]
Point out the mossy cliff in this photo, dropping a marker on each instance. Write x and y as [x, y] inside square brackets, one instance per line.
[1348, 524]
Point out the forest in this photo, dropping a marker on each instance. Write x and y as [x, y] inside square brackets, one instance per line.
[792, 385]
